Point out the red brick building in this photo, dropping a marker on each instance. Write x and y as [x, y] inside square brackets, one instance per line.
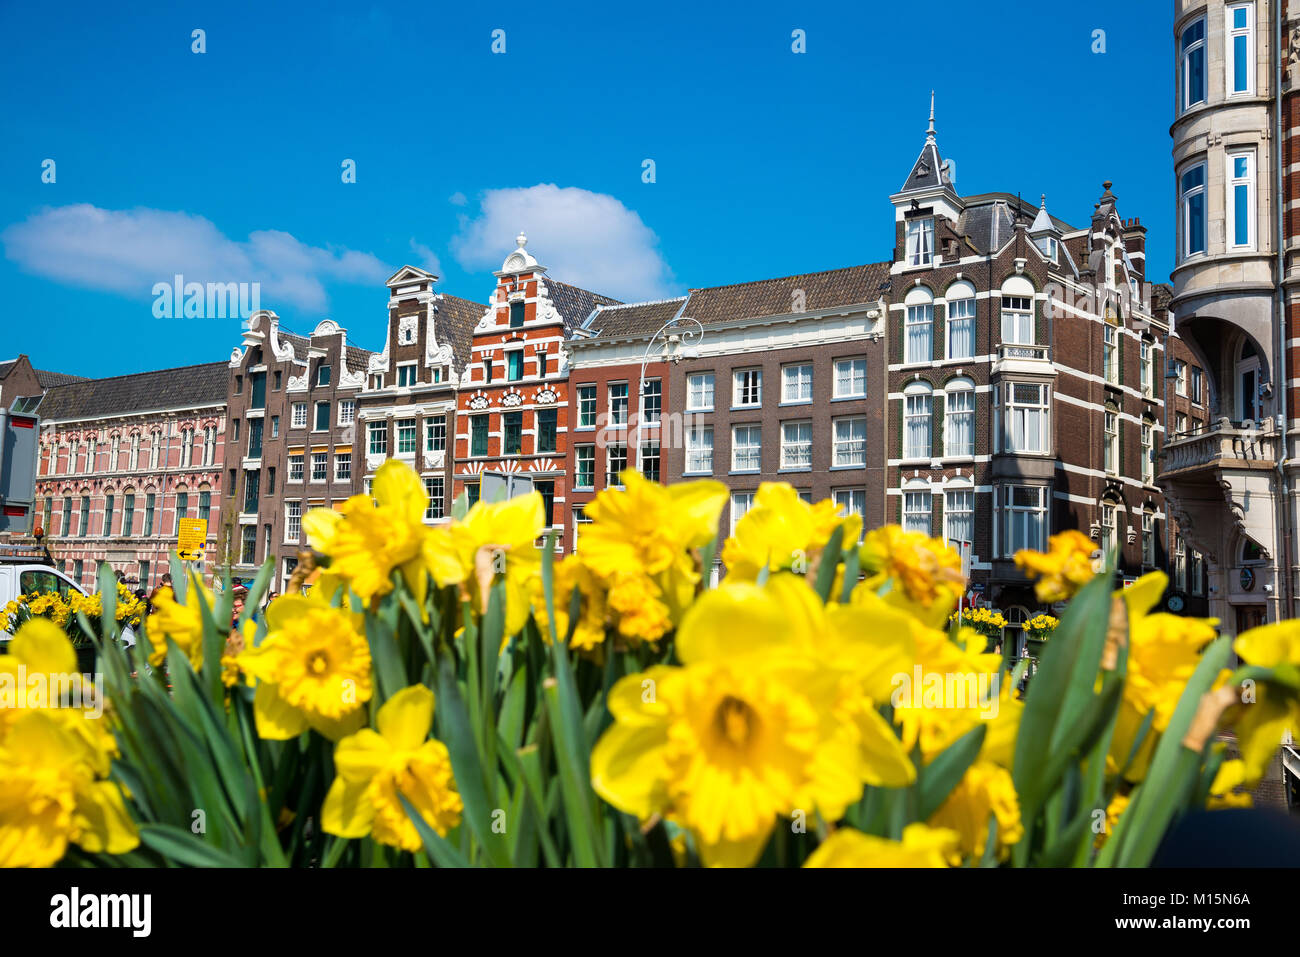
[513, 405]
[122, 459]
[624, 416]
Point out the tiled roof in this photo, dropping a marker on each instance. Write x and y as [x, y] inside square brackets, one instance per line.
[1161, 293]
[1028, 211]
[49, 380]
[574, 304]
[357, 359]
[632, 319]
[849, 286]
[6, 366]
[186, 387]
[455, 324]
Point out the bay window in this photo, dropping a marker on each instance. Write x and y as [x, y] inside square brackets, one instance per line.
[1020, 415]
[1191, 192]
[1021, 518]
[1191, 65]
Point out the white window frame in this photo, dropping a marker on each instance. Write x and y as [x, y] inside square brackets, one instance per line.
[1180, 563]
[741, 503]
[340, 459]
[1149, 539]
[1110, 442]
[966, 513]
[703, 383]
[918, 507]
[584, 454]
[853, 364]
[796, 450]
[919, 235]
[1231, 35]
[966, 390]
[1110, 352]
[1186, 51]
[409, 371]
[918, 406]
[696, 446]
[301, 458]
[1008, 512]
[409, 425]
[586, 406]
[347, 411]
[800, 376]
[1008, 412]
[1016, 320]
[431, 433]
[747, 381]
[851, 501]
[1233, 185]
[1147, 361]
[292, 515]
[747, 448]
[1148, 453]
[966, 305]
[323, 460]
[849, 442]
[298, 411]
[918, 333]
[1186, 195]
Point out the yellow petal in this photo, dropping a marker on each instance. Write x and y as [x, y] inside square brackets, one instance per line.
[361, 756]
[320, 525]
[1144, 594]
[406, 717]
[44, 648]
[336, 729]
[277, 720]
[735, 853]
[397, 487]
[885, 761]
[1270, 645]
[105, 824]
[285, 609]
[696, 507]
[627, 768]
[735, 621]
[347, 812]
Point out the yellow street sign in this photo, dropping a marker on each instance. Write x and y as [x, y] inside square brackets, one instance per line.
[191, 538]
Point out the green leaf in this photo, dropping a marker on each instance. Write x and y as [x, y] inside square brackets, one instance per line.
[937, 779]
[829, 563]
[435, 845]
[182, 847]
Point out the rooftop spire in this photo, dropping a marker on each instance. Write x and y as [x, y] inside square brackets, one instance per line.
[929, 133]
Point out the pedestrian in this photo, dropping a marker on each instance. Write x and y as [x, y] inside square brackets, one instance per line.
[237, 606]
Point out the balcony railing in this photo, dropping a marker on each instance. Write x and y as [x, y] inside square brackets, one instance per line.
[1223, 445]
[1008, 350]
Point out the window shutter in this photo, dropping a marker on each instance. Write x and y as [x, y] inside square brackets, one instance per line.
[936, 412]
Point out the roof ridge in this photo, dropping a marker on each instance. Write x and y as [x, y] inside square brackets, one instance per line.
[800, 275]
[129, 375]
[641, 302]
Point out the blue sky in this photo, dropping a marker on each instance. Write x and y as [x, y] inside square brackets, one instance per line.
[227, 165]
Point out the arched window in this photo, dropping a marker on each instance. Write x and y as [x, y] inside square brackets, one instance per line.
[115, 447]
[917, 507]
[1250, 551]
[210, 445]
[959, 418]
[961, 320]
[917, 422]
[919, 326]
[1017, 316]
[135, 451]
[187, 447]
[959, 513]
[1109, 523]
[155, 440]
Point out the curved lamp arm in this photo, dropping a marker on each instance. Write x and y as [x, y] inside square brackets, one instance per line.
[675, 332]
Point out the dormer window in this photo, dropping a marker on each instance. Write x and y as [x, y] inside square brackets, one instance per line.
[920, 242]
[1048, 246]
[323, 375]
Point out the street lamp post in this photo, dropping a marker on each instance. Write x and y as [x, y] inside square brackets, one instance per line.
[676, 332]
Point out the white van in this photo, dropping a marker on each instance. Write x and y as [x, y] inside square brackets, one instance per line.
[25, 570]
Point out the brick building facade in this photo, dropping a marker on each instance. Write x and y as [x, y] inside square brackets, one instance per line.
[407, 409]
[513, 405]
[1026, 393]
[292, 443]
[121, 459]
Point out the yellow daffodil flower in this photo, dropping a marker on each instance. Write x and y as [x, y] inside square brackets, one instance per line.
[1063, 569]
[367, 539]
[373, 767]
[641, 545]
[500, 537]
[312, 670]
[782, 531]
[747, 730]
[51, 793]
[589, 633]
[921, 846]
[985, 790]
[1259, 723]
[919, 574]
[183, 624]
[1164, 650]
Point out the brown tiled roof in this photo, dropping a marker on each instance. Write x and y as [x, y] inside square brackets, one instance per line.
[1161, 293]
[574, 304]
[632, 319]
[185, 387]
[49, 380]
[853, 285]
[356, 358]
[455, 324]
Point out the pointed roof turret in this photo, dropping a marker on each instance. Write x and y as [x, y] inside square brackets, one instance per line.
[1043, 221]
[927, 171]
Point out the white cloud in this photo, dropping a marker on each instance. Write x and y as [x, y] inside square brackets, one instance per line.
[428, 258]
[588, 239]
[127, 251]
[457, 199]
